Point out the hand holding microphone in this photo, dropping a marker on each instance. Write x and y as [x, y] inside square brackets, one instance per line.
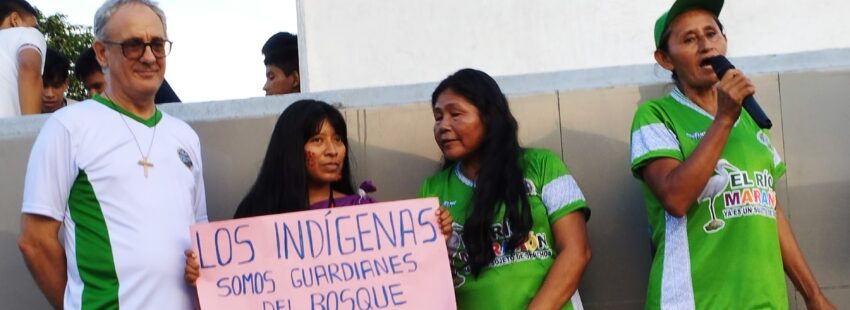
[721, 65]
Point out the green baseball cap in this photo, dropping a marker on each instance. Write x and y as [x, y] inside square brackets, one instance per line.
[681, 6]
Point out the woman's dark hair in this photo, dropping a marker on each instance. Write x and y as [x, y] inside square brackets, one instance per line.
[281, 184]
[664, 42]
[500, 178]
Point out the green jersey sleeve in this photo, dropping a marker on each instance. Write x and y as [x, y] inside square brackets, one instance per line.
[559, 191]
[652, 137]
[778, 164]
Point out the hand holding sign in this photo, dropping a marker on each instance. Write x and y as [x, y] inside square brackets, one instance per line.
[192, 270]
[444, 217]
[367, 257]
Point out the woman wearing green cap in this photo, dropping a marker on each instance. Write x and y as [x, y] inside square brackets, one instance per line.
[708, 174]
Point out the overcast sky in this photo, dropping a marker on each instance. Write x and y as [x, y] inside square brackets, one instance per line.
[216, 53]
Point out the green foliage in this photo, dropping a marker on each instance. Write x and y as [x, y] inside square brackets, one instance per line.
[69, 39]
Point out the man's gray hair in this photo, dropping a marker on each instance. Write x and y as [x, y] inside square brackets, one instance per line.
[104, 13]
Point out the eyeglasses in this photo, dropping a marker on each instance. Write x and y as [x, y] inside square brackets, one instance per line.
[135, 48]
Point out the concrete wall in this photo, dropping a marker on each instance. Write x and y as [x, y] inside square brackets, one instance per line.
[393, 145]
[367, 43]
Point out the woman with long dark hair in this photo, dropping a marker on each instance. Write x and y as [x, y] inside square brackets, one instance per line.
[519, 237]
[305, 168]
[306, 164]
[708, 175]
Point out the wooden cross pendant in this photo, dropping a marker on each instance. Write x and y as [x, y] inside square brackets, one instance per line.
[145, 164]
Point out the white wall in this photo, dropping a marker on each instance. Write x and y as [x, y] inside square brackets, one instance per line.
[367, 43]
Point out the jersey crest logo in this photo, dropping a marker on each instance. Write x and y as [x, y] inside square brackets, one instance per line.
[765, 140]
[184, 157]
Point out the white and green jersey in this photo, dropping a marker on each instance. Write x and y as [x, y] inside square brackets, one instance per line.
[512, 279]
[124, 233]
[724, 253]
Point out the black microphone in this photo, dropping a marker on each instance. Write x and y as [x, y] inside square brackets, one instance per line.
[720, 65]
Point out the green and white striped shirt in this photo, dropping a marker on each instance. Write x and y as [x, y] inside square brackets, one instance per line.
[124, 233]
[724, 253]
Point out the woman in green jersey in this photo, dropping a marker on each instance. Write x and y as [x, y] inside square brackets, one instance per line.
[519, 238]
[708, 175]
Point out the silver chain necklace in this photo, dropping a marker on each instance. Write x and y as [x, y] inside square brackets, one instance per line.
[144, 161]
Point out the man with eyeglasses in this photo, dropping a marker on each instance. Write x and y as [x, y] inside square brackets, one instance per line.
[124, 178]
[89, 72]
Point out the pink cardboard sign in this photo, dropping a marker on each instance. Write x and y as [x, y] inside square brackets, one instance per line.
[376, 256]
